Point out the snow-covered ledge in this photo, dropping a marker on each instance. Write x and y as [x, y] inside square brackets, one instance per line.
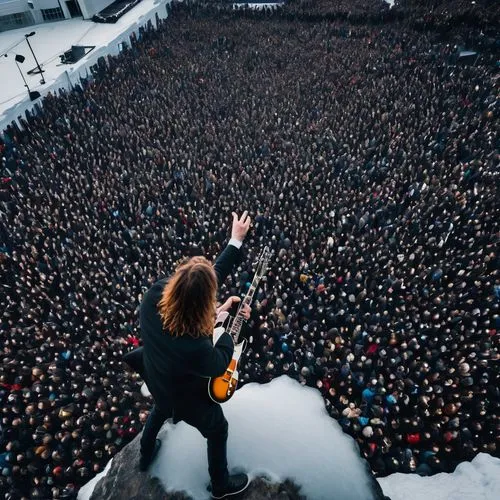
[281, 430]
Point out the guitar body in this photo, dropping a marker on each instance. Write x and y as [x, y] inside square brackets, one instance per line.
[221, 389]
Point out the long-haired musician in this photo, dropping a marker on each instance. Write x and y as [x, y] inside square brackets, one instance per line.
[177, 321]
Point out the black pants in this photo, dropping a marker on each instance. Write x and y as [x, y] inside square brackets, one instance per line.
[209, 419]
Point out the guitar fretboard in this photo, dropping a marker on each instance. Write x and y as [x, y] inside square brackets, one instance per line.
[237, 323]
[247, 300]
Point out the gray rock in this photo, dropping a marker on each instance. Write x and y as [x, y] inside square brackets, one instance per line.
[124, 480]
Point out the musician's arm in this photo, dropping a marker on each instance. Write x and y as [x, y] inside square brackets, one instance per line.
[212, 360]
[225, 262]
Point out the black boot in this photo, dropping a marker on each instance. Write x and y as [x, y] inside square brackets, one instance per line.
[146, 461]
[235, 484]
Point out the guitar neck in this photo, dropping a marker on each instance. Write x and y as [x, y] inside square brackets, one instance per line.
[237, 323]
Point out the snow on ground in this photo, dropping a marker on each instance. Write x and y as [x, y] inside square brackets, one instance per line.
[53, 39]
[476, 480]
[280, 430]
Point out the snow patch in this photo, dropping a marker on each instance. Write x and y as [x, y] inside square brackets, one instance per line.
[280, 430]
[476, 480]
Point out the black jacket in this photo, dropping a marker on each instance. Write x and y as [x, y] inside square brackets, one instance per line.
[176, 369]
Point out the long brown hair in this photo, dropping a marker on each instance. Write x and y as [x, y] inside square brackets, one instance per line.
[188, 301]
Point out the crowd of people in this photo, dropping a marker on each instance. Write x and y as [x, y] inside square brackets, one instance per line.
[446, 13]
[367, 155]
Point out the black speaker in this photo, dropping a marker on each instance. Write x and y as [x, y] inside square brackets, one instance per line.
[77, 52]
[19, 58]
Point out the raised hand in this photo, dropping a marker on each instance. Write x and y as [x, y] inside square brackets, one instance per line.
[240, 226]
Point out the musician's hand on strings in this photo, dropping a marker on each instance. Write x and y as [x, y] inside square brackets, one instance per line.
[245, 311]
[228, 304]
[240, 226]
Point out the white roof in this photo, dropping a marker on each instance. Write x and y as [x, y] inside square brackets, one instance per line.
[53, 39]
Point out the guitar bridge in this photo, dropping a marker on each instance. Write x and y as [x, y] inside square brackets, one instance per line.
[228, 375]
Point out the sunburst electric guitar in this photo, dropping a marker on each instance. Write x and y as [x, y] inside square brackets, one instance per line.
[221, 389]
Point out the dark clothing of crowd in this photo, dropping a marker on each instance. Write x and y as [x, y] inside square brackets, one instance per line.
[368, 156]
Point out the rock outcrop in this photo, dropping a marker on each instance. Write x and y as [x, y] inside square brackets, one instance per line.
[124, 481]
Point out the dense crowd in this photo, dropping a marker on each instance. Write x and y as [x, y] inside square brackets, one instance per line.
[444, 13]
[369, 161]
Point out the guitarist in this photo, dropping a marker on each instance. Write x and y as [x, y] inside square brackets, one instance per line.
[177, 321]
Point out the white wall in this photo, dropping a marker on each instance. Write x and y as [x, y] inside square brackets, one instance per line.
[91, 7]
[65, 9]
[12, 6]
[37, 16]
